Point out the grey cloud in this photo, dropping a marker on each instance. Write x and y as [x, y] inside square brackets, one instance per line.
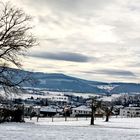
[134, 64]
[71, 6]
[135, 6]
[112, 72]
[63, 56]
[46, 19]
[117, 72]
[127, 26]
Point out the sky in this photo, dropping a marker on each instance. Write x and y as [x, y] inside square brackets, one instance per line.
[91, 39]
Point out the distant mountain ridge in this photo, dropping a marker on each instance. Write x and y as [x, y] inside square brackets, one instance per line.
[63, 83]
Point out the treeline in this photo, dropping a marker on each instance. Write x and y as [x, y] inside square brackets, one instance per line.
[12, 114]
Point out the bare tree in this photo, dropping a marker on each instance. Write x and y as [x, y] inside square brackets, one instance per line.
[108, 111]
[108, 108]
[94, 106]
[15, 39]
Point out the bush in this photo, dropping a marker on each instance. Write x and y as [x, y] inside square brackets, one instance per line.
[15, 114]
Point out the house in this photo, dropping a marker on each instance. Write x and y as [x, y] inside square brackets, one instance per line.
[85, 111]
[58, 99]
[116, 109]
[130, 112]
[81, 111]
[50, 110]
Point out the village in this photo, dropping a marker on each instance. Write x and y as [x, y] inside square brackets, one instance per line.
[72, 106]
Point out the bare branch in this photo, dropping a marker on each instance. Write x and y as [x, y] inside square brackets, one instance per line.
[15, 40]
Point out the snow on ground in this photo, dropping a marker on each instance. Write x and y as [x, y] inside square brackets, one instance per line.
[116, 129]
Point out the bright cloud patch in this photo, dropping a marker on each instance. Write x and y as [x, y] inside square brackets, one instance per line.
[101, 35]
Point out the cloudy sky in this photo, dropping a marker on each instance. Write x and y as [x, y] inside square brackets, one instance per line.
[91, 39]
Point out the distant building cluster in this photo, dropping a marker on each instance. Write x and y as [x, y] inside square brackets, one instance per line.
[130, 112]
[75, 106]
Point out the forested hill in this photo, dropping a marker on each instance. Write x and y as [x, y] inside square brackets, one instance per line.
[61, 82]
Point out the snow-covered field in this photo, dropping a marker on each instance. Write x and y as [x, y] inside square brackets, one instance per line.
[45, 129]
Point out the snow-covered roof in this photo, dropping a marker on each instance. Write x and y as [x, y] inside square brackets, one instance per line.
[49, 109]
[82, 108]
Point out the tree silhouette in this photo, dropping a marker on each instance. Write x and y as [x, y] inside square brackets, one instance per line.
[108, 108]
[94, 106]
[15, 39]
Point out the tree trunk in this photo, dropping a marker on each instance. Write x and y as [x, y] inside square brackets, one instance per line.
[107, 118]
[92, 119]
[92, 114]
